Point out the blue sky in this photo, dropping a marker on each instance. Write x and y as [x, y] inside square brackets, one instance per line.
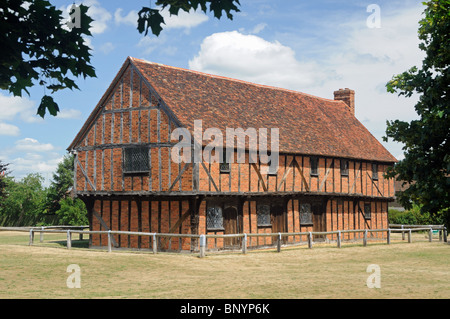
[314, 47]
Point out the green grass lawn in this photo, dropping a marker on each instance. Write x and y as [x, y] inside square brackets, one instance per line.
[417, 270]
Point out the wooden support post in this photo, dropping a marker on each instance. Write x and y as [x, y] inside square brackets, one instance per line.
[339, 239]
[440, 235]
[202, 246]
[309, 240]
[279, 242]
[431, 235]
[445, 234]
[31, 237]
[409, 236]
[403, 234]
[244, 244]
[109, 241]
[41, 237]
[389, 236]
[155, 244]
[365, 238]
[69, 240]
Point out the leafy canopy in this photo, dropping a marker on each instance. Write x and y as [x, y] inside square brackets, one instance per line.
[426, 166]
[38, 48]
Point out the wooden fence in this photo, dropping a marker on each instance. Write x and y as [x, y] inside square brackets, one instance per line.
[69, 230]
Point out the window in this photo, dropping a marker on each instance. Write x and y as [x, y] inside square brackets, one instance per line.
[214, 217]
[367, 211]
[224, 166]
[344, 168]
[375, 172]
[136, 160]
[263, 214]
[314, 164]
[305, 214]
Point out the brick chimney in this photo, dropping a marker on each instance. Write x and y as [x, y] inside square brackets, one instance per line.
[348, 96]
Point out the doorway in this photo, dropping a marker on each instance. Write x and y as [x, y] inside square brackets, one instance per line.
[319, 221]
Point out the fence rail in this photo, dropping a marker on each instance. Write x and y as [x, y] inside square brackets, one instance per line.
[69, 230]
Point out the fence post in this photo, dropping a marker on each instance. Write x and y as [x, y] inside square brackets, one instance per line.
[109, 241]
[431, 234]
[244, 244]
[403, 234]
[202, 246]
[389, 236]
[31, 237]
[445, 234]
[339, 239]
[155, 244]
[41, 237]
[69, 240]
[365, 238]
[279, 242]
[409, 236]
[309, 240]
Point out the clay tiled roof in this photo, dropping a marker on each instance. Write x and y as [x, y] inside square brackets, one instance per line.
[307, 124]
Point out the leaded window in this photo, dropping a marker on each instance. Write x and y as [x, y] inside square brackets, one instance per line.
[136, 160]
[367, 211]
[305, 214]
[214, 217]
[224, 166]
[263, 215]
[344, 167]
[314, 163]
[375, 172]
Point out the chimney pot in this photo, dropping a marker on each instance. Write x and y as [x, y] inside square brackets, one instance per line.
[348, 96]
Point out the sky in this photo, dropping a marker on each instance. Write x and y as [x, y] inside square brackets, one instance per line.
[314, 47]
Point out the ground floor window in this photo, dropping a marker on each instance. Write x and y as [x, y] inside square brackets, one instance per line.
[214, 217]
[263, 214]
[305, 214]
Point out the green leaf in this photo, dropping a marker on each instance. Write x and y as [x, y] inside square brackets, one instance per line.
[47, 102]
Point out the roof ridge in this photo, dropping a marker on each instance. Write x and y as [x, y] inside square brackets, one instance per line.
[235, 80]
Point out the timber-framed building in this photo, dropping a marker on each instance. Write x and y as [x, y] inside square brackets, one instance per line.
[330, 172]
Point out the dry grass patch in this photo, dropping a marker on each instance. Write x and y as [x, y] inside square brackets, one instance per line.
[417, 270]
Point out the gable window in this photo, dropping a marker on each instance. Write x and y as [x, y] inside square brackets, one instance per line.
[375, 172]
[263, 214]
[314, 164]
[305, 214]
[344, 167]
[214, 217]
[136, 160]
[367, 211]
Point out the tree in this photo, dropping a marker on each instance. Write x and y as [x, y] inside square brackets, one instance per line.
[25, 201]
[3, 172]
[38, 48]
[152, 19]
[59, 202]
[426, 166]
[61, 184]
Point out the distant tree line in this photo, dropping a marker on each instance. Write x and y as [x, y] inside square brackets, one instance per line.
[27, 202]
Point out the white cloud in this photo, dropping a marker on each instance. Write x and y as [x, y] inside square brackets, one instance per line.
[184, 20]
[130, 19]
[251, 58]
[12, 107]
[9, 129]
[258, 28]
[69, 114]
[29, 144]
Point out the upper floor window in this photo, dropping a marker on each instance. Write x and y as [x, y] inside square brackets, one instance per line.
[136, 160]
[344, 167]
[224, 166]
[375, 172]
[314, 164]
[367, 211]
